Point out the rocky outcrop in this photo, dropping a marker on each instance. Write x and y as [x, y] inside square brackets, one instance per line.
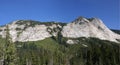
[93, 27]
[23, 31]
[27, 30]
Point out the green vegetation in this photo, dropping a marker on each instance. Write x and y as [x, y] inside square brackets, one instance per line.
[50, 52]
[8, 54]
[90, 19]
[116, 31]
[18, 29]
[55, 51]
[31, 23]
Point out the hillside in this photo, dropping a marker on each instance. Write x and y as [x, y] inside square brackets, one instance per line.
[51, 51]
[29, 30]
[82, 42]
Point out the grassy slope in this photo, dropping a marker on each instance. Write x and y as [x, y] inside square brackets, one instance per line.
[47, 43]
[49, 51]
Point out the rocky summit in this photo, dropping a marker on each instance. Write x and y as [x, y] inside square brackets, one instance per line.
[29, 30]
[93, 27]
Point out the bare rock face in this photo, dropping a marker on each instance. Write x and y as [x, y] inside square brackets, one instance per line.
[39, 32]
[23, 31]
[93, 27]
[27, 30]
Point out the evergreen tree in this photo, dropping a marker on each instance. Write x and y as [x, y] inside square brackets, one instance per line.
[10, 50]
[59, 38]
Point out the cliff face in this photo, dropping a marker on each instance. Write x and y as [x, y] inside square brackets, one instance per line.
[94, 27]
[22, 30]
[27, 30]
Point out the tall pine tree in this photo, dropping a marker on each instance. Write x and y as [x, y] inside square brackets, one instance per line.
[10, 50]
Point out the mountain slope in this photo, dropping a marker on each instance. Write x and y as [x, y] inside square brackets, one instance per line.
[39, 43]
[94, 27]
[28, 30]
[87, 51]
[116, 31]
